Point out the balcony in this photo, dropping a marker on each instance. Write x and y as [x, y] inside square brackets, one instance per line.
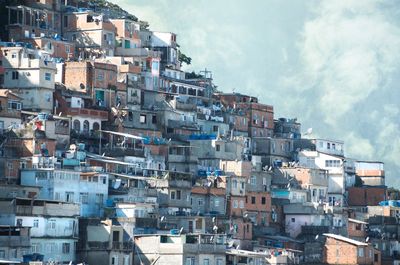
[122, 245]
[314, 229]
[140, 222]
[92, 113]
[205, 244]
[129, 68]
[60, 209]
[122, 151]
[15, 241]
[182, 158]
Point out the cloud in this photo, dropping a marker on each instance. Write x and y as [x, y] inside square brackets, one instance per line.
[349, 58]
[332, 64]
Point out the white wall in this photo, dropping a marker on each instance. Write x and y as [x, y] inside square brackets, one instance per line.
[52, 249]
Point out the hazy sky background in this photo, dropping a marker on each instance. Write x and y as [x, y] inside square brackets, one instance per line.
[335, 65]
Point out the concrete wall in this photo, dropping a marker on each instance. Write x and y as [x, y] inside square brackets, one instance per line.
[53, 249]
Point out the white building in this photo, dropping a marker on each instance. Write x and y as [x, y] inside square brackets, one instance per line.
[187, 249]
[332, 147]
[54, 225]
[89, 189]
[31, 75]
[336, 169]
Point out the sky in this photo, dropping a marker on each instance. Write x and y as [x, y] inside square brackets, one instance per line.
[333, 65]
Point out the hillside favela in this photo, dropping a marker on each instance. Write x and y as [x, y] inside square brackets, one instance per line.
[111, 153]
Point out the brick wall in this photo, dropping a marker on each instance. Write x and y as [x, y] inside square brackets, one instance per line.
[366, 196]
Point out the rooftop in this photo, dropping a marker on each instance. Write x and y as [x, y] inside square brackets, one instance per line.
[346, 239]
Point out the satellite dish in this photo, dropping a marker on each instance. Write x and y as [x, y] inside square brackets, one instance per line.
[215, 228]
[316, 237]
[214, 219]
[230, 243]
[162, 218]
[238, 246]
[209, 184]
[117, 183]
[82, 86]
[367, 239]
[180, 230]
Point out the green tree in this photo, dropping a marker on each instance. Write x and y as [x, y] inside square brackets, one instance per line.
[184, 59]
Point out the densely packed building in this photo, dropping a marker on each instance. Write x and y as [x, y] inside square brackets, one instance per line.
[110, 153]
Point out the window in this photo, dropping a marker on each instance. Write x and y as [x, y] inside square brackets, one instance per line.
[263, 200]
[99, 198]
[96, 126]
[154, 119]
[14, 105]
[241, 204]
[215, 128]
[206, 262]
[35, 247]
[69, 197]
[65, 21]
[361, 252]
[178, 194]
[47, 76]
[234, 184]
[14, 55]
[217, 147]
[332, 163]
[200, 201]
[127, 44]
[216, 202]
[36, 223]
[334, 146]
[235, 204]
[293, 220]
[219, 262]
[253, 200]
[77, 126]
[52, 224]
[67, 49]
[328, 145]
[190, 261]
[84, 197]
[66, 248]
[100, 76]
[114, 260]
[86, 126]
[142, 118]
[172, 195]
[15, 75]
[104, 180]
[126, 260]
[253, 180]
[242, 183]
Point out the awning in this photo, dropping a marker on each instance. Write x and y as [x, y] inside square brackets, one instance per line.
[127, 135]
